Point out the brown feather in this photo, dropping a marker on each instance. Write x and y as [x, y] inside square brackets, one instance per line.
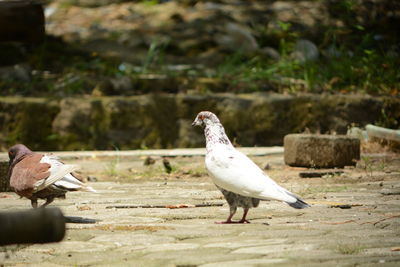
[25, 173]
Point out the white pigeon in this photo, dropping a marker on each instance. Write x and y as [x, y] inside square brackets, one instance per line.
[241, 181]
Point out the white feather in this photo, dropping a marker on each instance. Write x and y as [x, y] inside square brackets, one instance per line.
[56, 174]
[235, 172]
[60, 175]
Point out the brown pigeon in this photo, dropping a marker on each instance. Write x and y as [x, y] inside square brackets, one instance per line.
[34, 175]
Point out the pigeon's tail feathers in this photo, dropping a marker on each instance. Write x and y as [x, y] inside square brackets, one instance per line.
[71, 183]
[88, 189]
[299, 204]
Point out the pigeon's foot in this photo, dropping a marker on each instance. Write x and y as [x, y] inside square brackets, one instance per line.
[34, 203]
[243, 221]
[48, 201]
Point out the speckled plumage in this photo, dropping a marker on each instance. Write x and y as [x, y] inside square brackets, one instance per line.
[240, 180]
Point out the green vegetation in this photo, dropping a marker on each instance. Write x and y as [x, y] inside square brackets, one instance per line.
[369, 165]
[309, 191]
[357, 55]
[74, 72]
[349, 249]
[112, 166]
[364, 72]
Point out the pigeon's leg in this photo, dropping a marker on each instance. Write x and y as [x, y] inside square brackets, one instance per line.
[243, 220]
[48, 201]
[232, 211]
[34, 203]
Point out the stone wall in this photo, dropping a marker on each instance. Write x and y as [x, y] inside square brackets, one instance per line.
[164, 120]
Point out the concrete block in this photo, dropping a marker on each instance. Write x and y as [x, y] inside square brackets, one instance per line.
[321, 151]
[4, 182]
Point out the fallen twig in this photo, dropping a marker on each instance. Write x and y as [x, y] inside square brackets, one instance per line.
[373, 223]
[174, 206]
[381, 220]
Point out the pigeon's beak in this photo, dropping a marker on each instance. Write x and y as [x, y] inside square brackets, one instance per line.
[196, 122]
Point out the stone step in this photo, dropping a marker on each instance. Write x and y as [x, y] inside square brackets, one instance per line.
[321, 151]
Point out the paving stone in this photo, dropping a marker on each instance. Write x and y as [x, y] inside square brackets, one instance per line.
[72, 246]
[277, 235]
[250, 262]
[132, 239]
[321, 151]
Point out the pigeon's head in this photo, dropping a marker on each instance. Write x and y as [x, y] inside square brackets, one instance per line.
[16, 152]
[205, 118]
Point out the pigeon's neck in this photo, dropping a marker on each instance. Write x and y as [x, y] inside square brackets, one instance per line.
[215, 135]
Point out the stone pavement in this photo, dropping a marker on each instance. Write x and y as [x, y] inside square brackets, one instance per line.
[364, 231]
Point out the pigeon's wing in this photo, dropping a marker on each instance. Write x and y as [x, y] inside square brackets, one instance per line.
[57, 171]
[62, 174]
[26, 173]
[234, 171]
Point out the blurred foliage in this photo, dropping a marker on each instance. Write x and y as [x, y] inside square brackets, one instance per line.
[365, 71]
[365, 60]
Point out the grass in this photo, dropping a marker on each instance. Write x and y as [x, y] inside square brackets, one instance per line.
[369, 165]
[349, 249]
[152, 172]
[366, 71]
[112, 166]
[62, 69]
[197, 172]
[322, 189]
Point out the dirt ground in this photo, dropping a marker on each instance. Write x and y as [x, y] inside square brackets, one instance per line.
[354, 219]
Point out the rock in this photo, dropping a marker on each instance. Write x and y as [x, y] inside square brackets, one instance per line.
[270, 52]
[149, 161]
[71, 123]
[164, 120]
[305, 50]
[237, 38]
[18, 72]
[358, 133]
[122, 85]
[20, 118]
[167, 165]
[304, 16]
[333, 52]
[267, 166]
[92, 178]
[321, 151]
[4, 181]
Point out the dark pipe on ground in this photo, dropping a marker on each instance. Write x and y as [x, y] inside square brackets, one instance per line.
[32, 226]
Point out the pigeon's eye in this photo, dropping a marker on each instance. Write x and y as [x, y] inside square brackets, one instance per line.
[201, 117]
